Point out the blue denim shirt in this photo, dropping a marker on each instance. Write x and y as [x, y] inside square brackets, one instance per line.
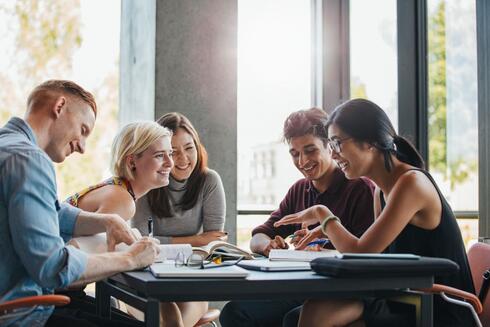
[33, 225]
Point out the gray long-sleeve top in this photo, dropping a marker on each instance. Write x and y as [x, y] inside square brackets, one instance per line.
[207, 215]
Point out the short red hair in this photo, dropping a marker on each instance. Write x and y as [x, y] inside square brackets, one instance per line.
[65, 87]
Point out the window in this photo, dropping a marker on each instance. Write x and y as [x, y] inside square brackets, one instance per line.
[64, 39]
[373, 54]
[453, 113]
[274, 79]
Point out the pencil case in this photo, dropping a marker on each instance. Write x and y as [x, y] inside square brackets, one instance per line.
[379, 267]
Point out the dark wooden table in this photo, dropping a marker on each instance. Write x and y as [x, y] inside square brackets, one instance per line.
[144, 292]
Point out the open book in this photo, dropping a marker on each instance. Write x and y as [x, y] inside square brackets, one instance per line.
[222, 248]
[98, 244]
[300, 255]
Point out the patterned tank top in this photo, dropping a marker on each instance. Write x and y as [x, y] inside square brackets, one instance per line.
[73, 200]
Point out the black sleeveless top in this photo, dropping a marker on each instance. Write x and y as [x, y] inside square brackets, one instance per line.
[444, 241]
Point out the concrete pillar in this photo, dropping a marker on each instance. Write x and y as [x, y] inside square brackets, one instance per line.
[194, 72]
[137, 61]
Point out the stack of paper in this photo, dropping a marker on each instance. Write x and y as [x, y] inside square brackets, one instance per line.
[98, 244]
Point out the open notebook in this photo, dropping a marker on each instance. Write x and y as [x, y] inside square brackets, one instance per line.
[168, 270]
[223, 249]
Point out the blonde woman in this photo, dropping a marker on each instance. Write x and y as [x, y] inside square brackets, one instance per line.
[141, 160]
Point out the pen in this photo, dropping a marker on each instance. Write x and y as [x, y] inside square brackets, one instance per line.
[150, 226]
[322, 242]
[224, 264]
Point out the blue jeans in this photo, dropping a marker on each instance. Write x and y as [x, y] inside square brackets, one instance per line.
[261, 313]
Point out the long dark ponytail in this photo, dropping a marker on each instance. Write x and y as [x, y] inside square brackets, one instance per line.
[365, 121]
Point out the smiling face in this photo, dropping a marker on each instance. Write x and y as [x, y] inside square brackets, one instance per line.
[311, 157]
[354, 158]
[185, 154]
[152, 167]
[74, 122]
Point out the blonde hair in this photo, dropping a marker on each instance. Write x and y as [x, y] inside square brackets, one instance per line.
[134, 139]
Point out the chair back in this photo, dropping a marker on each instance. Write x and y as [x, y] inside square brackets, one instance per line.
[479, 259]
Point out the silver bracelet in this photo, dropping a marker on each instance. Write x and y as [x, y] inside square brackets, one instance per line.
[325, 222]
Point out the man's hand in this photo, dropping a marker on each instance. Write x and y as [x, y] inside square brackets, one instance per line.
[143, 252]
[276, 243]
[140, 254]
[117, 231]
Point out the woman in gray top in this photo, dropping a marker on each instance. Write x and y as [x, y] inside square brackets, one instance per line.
[191, 209]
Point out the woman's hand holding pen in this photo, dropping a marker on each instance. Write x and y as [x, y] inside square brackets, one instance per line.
[298, 236]
[307, 217]
[307, 236]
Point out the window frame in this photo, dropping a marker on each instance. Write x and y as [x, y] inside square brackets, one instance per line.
[412, 83]
[331, 75]
[413, 93]
[483, 59]
[326, 91]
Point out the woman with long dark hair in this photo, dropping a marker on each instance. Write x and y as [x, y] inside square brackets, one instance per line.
[411, 213]
[191, 209]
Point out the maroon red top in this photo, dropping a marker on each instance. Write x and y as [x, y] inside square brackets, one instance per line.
[350, 200]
